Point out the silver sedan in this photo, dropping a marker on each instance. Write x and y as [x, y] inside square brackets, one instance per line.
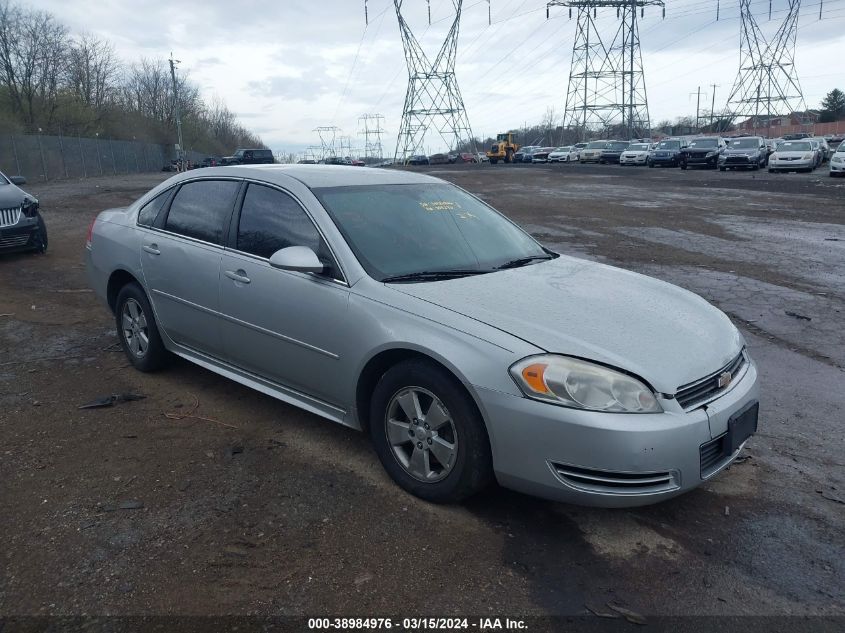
[403, 306]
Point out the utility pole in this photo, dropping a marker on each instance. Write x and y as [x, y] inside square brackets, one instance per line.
[180, 152]
[601, 73]
[697, 109]
[713, 106]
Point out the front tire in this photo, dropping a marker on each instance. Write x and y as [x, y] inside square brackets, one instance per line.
[40, 241]
[137, 329]
[428, 433]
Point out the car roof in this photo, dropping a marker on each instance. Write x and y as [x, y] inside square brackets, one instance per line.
[320, 176]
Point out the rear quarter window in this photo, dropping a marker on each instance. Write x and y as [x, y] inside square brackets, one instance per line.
[149, 212]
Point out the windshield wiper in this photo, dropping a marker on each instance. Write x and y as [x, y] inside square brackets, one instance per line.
[433, 275]
[522, 261]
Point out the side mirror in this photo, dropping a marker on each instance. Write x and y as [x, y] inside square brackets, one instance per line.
[17, 180]
[297, 258]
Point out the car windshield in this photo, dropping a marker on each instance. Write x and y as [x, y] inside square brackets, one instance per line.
[405, 229]
[745, 143]
[563, 149]
[596, 145]
[639, 147]
[4, 180]
[618, 145]
[704, 142]
[795, 146]
[669, 145]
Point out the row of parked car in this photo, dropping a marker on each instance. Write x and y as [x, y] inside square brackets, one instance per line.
[798, 153]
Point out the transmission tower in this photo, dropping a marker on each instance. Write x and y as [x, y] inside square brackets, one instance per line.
[767, 84]
[328, 140]
[372, 130]
[606, 83]
[433, 99]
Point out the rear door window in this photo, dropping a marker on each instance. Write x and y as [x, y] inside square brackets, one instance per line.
[202, 209]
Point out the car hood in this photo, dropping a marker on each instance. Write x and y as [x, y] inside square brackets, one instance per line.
[11, 196]
[794, 154]
[660, 332]
[752, 150]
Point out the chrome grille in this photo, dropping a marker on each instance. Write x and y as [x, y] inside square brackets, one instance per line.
[615, 482]
[10, 217]
[707, 388]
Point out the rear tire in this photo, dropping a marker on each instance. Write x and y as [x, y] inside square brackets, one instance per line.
[137, 329]
[439, 452]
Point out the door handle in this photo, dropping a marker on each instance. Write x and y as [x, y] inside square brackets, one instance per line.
[152, 249]
[237, 275]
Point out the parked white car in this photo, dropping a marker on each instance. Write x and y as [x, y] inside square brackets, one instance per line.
[563, 155]
[837, 161]
[793, 156]
[636, 154]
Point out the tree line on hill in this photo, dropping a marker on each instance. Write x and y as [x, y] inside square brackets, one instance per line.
[53, 82]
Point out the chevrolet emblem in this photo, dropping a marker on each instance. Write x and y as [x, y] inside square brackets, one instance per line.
[725, 379]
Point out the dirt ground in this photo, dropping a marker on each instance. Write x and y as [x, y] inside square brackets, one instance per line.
[249, 506]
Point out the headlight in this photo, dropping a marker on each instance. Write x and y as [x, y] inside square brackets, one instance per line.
[571, 382]
[837, 159]
[710, 154]
[29, 206]
[807, 156]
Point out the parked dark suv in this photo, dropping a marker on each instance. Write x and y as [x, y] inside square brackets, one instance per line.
[666, 152]
[249, 157]
[702, 152]
[746, 152]
[21, 226]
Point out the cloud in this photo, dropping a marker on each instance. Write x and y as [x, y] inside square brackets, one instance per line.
[288, 67]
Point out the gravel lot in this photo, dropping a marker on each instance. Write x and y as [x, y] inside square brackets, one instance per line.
[239, 504]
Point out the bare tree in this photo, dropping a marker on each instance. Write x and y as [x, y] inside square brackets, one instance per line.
[33, 49]
[93, 71]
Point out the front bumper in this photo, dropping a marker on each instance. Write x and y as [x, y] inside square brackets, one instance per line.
[837, 168]
[702, 159]
[632, 160]
[20, 236]
[607, 459]
[671, 159]
[746, 162]
[787, 165]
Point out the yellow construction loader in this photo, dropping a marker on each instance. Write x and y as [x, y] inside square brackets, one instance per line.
[503, 149]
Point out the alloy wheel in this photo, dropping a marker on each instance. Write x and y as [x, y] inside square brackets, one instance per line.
[134, 328]
[421, 434]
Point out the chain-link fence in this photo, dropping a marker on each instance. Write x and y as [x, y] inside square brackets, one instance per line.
[43, 158]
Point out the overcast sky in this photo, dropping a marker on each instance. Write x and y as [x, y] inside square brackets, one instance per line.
[286, 67]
